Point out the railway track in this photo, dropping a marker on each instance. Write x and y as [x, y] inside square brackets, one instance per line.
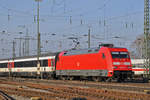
[66, 90]
[67, 93]
[134, 87]
[4, 96]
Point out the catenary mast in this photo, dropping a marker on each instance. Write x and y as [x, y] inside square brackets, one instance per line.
[146, 37]
[38, 38]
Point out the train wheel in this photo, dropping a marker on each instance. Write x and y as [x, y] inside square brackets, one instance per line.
[108, 80]
[44, 75]
[70, 78]
[120, 80]
[63, 78]
[96, 79]
[145, 80]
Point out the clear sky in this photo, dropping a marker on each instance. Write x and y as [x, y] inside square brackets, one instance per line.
[61, 19]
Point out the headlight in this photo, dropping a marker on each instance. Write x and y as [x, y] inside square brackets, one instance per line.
[116, 63]
[126, 63]
[129, 67]
[115, 67]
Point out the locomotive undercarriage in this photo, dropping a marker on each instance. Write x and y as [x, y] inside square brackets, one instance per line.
[119, 76]
[122, 75]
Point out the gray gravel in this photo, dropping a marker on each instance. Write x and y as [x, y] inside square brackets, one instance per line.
[20, 97]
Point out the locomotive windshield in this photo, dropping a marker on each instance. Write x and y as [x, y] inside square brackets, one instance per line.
[119, 55]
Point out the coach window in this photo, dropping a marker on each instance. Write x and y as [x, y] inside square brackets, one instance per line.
[34, 63]
[3, 65]
[26, 63]
[44, 62]
[103, 56]
[17, 64]
[89, 50]
[29, 64]
[96, 50]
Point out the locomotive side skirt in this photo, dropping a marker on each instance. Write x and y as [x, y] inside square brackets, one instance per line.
[82, 72]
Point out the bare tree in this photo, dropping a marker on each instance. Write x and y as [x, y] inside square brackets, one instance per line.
[137, 46]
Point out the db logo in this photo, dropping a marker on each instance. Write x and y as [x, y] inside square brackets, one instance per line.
[78, 64]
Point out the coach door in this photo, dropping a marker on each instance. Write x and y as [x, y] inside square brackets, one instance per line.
[10, 65]
[51, 64]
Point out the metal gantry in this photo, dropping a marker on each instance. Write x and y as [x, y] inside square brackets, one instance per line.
[146, 37]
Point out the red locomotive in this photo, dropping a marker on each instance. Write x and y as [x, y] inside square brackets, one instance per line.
[103, 63]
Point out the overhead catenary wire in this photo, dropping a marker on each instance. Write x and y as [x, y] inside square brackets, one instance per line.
[76, 22]
[16, 11]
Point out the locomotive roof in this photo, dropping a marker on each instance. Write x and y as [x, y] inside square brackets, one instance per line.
[85, 51]
[82, 51]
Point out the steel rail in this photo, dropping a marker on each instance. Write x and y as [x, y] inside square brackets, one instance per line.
[5, 96]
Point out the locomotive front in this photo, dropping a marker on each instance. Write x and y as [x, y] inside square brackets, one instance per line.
[122, 68]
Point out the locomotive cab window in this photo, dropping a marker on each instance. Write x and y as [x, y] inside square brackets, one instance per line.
[119, 55]
[124, 55]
